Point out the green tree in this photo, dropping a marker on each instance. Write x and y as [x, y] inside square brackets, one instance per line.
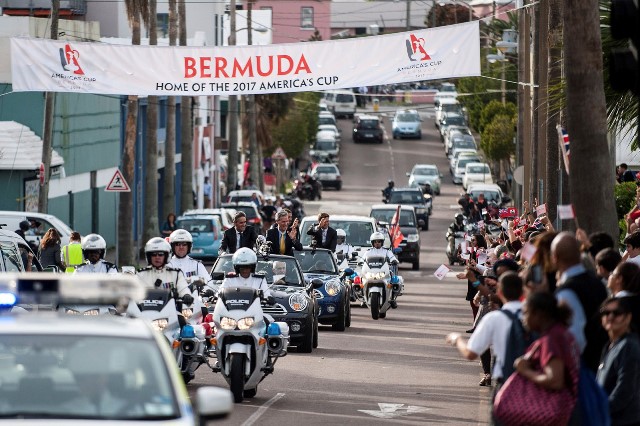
[497, 138]
[494, 109]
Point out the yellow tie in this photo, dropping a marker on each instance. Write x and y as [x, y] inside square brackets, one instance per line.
[282, 245]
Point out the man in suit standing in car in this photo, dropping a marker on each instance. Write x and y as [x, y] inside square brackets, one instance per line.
[283, 240]
[325, 236]
[239, 236]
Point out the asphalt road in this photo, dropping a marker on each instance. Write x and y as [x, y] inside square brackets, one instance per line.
[394, 370]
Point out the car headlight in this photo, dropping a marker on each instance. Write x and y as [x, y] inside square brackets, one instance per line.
[412, 238]
[421, 211]
[227, 323]
[92, 312]
[246, 323]
[187, 313]
[160, 324]
[71, 312]
[332, 288]
[298, 302]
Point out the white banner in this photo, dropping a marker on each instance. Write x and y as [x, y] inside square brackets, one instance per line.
[63, 66]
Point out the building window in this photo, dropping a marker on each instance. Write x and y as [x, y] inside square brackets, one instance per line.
[162, 25]
[306, 17]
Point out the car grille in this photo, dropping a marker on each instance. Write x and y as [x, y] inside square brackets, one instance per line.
[276, 309]
[318, 294]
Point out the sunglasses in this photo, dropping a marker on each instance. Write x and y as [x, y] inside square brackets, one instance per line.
[614, 312]
[157, 254]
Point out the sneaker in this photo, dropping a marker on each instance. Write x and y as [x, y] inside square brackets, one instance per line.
[393, 304]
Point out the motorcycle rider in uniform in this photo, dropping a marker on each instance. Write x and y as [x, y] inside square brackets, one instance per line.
[343, 250]
[376, 250]
[94, 248]
[456, 226]
[244, 262]
[386, 193]
[181, 242]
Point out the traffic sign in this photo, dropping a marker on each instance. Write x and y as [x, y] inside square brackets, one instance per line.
[117, 183]
[279, 154]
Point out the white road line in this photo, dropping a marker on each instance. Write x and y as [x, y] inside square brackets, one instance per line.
[255, 416]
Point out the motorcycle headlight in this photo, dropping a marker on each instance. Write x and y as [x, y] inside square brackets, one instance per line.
[246, 323]
[187, 313]
[332, 288]
[71, 311]
[160, 324]
[92, 312]
[227, 323]
[298, 302]
[412, 238]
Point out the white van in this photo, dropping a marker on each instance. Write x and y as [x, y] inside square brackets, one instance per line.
[341, 102]
[447, 105]
[11, 222]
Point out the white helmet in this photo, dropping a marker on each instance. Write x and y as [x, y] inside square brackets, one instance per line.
[342, 236]
[157, 244]
[94, 242]
[376, 236]
[180, 236]
[244, 257]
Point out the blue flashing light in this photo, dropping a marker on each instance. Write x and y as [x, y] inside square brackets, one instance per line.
[8, 299]
[394, 279]
[273, 329]
[188, 332]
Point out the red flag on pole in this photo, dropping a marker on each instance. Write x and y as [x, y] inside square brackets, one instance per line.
[395, 234]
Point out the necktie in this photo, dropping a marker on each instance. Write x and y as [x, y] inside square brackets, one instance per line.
[324, 236]
[282, 245]
[238, 235]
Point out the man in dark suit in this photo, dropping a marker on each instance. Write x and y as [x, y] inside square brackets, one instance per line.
[282, 240]
[325, 236]
[238, 236]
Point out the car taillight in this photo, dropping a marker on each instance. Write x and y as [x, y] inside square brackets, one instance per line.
[255, 220]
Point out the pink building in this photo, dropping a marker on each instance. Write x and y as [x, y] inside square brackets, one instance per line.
[296, 20]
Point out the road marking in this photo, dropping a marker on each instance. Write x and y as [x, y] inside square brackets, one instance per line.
[390, 411]
[263, 408]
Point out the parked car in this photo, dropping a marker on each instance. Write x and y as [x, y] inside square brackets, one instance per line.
[341, 102]
[251, 210]
[206, 231]
[452, 131]
[414, 197]
[325, 145]
[476, 173]
[447, 90]
[14, 251]
[328, 175]
[41, 223]
[332, 128]
[451, 119]
[224, 215]
[460, 153]
[445, 106]
[406, 123]
[410, 245]
[334, 295]
[461, 141]
[296, 302]
[244, 195]
[461, 165]
[492, 193]
[422, 174]
[327, 118]
[367, 128]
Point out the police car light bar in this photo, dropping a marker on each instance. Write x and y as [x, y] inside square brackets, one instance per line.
[50, 288]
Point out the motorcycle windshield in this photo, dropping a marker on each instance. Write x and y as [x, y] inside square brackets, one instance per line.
[155, 300]
[375, 261]
[238, 298]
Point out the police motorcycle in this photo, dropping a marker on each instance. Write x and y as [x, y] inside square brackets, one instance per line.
[247, 342]
[455, 238]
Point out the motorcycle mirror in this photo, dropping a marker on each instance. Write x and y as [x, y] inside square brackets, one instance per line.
[348, 271]
[208, 293]
[198, 283]
[317, 283]
[408, 174]
[217, 276]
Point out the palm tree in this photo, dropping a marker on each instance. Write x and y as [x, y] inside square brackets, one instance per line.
[186, 126]
[586, 118]
[135, 10]
[151, 226]
[169, 196]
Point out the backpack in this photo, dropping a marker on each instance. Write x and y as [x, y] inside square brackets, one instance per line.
[518, 340]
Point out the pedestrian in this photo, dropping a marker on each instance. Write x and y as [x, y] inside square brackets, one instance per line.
[49, 250]
[583, 291]
[239, 236]
[542, 258]
[485, 302]
[625, 175]
[493, 331]
[169, 225]
[72, 253]
[206, 192]
[620, 280]
[619, 371]
[606, 261]
[632, 243]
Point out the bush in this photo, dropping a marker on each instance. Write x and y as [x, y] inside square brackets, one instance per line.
[625, 194]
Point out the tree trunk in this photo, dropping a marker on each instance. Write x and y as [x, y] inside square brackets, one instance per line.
[186, 127]
[169, 197]
[589, 174]
[151, 226]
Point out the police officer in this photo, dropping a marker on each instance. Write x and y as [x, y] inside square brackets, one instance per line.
[376, 250]
[181, 242]
[159, 275]
[343, 250]
[244, 262]
[386, 193]
[456, 226]
[94, 248]
[72, 255]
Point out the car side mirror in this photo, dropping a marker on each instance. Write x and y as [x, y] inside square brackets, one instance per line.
[317, 283]
[348, 271]
[213, 403]
[408, 174]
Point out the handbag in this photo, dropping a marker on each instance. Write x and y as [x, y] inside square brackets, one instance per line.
[522, 402]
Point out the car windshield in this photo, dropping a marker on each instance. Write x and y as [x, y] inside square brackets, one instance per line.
[407, 218]
[321, 169]
[368, 124]
[325, 145]
[408, 118]
[195, 225]
[451, 108]
[448, 88]
[454, 121]
[425, 172]
[343, 97]
[326, 120]
[286, 269]
[490, 196]
[316, 261]
[358, 231]
[248, 210]
[479, 169]
[462, 162]
[406, 197]
[59, 376]
[463, 143]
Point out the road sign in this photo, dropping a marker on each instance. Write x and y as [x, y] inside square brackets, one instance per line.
[117, 183]
[41, 174]
[279, 154]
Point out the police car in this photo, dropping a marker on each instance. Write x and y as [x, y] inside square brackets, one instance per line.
[85, 369]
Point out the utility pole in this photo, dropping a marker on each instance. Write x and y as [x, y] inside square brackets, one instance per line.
[254, 151]
[409, 15]
[186, 125]
[232, 157]
[47, 136]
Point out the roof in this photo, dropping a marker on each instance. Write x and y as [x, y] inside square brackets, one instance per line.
[341, 217]
[391, 207]
[21, 148]
[385, 14]
[425, 166]
[483, 187]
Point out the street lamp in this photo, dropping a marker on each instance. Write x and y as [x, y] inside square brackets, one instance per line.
[493, 58]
